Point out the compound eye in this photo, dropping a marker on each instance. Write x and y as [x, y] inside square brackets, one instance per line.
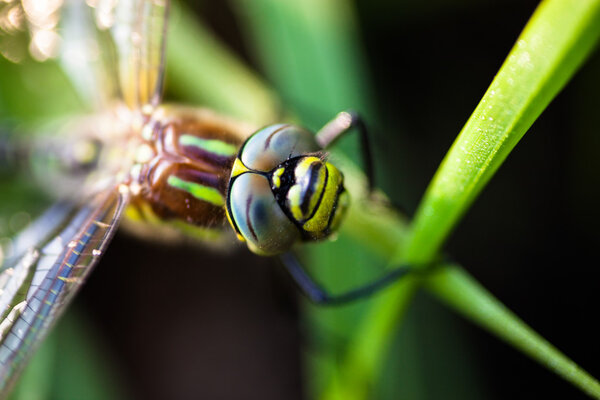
[258, 217]
[271, 146]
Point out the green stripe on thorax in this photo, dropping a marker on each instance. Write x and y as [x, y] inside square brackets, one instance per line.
[201, 192]
[214, 146]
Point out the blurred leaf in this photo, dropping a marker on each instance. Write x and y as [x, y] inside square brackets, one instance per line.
[311, 51]
[34, 92]
[36, 381]
[201, 70]
[71, 364]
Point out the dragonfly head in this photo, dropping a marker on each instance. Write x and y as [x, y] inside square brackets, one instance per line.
[282, 190]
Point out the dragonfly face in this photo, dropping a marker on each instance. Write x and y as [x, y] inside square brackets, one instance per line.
[282, 191]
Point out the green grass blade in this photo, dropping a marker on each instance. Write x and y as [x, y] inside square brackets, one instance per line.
[554, 44]
[460, 291]
[71, 364]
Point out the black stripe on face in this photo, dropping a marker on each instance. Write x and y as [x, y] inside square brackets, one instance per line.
[341, 189]
[318, 204]
[315, 168]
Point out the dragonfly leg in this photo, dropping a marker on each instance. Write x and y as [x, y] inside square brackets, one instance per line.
[343, 123]
[319, 295]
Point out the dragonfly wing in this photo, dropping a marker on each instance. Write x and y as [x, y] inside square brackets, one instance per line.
[115, 49]
[87, 55]
[50, 265]
[38, 231]
[138, 29]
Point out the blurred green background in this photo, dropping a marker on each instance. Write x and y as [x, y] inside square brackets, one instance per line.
[179, 322]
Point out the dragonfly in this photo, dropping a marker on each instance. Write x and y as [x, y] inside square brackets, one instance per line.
[166, 168]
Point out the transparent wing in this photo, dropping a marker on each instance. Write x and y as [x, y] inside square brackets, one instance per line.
[87, 55]
[115, 49]
[138, 29]
[52, 258]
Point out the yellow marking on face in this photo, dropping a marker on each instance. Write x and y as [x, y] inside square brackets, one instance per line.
[318, 223]
[304, 165]
[238, 168]
[239, 236]
[294, 199]
[277, 176]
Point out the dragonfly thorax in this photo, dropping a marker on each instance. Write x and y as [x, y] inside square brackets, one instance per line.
[183, 167]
